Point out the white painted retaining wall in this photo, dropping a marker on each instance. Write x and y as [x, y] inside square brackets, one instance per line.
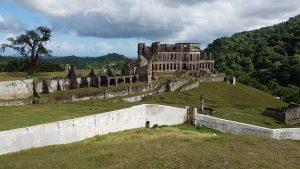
[78, 129]
[243, 128]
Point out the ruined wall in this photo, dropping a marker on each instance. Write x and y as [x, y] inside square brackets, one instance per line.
[68, 131]
[288, 115]
[275, 113]
[190, 86]
[212, 78]
[14, 103]
[292, 114]
[24, 88]
[174, 85]
[16, 89]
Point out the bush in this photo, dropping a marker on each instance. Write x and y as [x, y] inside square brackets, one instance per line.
[49, 67]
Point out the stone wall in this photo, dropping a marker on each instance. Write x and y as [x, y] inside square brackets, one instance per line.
[288, 115]
[212, 78]
[16, 89]
[14, 103]
[275, 113]
[174, 85]
[68, 131]
[190, 86]
[25, 88]
[292, 114]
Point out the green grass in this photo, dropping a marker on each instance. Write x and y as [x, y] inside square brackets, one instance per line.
[42, 75]
[33, 114]
[239, 103]
[166, 147]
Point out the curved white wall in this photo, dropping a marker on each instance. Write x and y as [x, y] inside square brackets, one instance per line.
[78, 129]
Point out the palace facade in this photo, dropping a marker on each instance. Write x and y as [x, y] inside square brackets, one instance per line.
[175, 57]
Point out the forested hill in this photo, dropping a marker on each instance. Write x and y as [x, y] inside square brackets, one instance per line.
[266, 58]
[112, 59]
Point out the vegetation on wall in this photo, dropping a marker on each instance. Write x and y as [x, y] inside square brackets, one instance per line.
[266, 58]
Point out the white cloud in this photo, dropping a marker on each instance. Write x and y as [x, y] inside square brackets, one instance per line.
[103, 47]
[66, 46]
[168, 20]
[9, 24]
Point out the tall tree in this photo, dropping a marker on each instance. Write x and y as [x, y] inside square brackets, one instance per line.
[30, 45]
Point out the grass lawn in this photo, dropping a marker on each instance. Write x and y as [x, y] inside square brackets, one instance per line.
[33, 114]
[46, 75]
[239, 103]
[180, 146]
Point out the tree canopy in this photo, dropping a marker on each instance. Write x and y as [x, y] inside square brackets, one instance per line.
[266, 58]
[30, 45]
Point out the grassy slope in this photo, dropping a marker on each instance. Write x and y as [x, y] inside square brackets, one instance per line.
[239, 103]
[21, 116]
[170, 147]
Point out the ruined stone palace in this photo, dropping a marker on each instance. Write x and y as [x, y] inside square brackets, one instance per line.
[175, 57]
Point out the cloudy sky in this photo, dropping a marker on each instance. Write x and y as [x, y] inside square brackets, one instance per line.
[97, 27]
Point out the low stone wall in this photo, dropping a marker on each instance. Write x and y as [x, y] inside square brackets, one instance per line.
[288, 115]
[25, 88]
[78, 129]
[213, 78]
[14, 103]
[275, 113]
[292, 114]
[16, 89]
[242, 128]
[190, 86]
[174, 85]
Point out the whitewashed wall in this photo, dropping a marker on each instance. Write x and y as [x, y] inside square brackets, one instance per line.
[243, 128]
[159, 114]
[78, 129]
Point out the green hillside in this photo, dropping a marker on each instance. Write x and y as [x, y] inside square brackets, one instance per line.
[239, 103]
[180, 146]
[266, 58]
[113, 59]
[50, 64]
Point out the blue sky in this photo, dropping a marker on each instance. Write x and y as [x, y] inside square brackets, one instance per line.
[97, 27]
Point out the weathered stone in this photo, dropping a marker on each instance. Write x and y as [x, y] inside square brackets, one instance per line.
[73, 79]
[16, 89]
[288, 115]
[94, 79]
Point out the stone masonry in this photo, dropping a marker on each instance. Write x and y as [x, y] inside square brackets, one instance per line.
[175, 57]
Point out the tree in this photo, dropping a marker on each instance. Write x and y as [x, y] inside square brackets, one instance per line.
[30, 45]
[267, 58]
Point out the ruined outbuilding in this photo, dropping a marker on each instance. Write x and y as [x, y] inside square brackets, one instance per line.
[288, 115]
